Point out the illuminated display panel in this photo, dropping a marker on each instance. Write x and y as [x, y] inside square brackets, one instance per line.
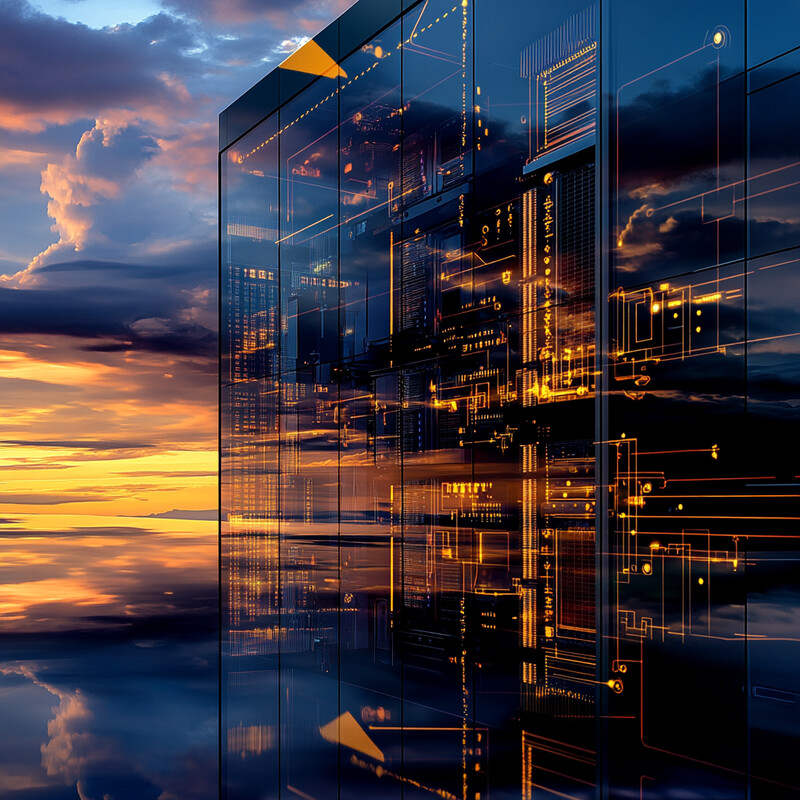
[508, 408]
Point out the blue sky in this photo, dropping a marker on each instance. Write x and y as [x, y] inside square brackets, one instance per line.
[99, 14]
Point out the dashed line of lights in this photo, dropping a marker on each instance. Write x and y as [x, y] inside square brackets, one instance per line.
[336, 91]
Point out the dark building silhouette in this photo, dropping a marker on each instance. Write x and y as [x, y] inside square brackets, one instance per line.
[509, 405]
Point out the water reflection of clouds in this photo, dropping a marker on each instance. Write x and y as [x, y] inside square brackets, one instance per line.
[62, 573]
[115, 620]
[69, 747]
[20, 598]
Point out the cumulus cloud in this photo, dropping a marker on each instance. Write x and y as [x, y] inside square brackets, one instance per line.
[70, 746]
[107, 158]
[76, 755]
[71, 194]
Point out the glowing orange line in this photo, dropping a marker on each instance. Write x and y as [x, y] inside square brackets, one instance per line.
[729, 186]
[770, 191]
[557, 742]
[417, 728]
[290, 235]
[539, 768]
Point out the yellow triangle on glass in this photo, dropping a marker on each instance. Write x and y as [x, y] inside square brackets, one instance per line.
[311, 58]
[345, 730]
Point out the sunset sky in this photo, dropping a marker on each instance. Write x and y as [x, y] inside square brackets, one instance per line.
[108, 141]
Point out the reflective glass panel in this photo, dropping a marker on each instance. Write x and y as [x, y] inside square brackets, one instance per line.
[676, 139]
[774, 165]
[249, 458]
[772, 27]
[509, 381]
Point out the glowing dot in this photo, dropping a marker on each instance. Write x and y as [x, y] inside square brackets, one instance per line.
[699, 312]
[656, 308]
[700, 581]
[647, 569]
[680, 506]
[697, 329]
[675, 315]
[718, 37]
[619, 242]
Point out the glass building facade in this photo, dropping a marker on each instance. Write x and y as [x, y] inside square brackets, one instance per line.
[509, 405]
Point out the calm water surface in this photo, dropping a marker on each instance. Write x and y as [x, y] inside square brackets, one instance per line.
[108, 658]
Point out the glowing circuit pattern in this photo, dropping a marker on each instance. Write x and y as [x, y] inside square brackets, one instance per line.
[508, 416]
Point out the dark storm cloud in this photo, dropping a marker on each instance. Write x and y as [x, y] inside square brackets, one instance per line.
[673, 148]
[115, 321]
[186, 341]
[87, 271]
[86, 313]
[670, 131]
[77, 444]
[51, 65]
[56, 141]
[175, 271]
[121, 306]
